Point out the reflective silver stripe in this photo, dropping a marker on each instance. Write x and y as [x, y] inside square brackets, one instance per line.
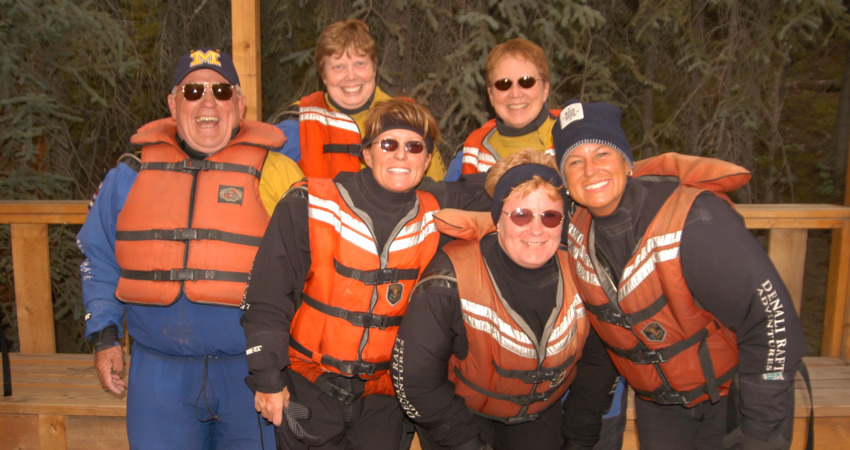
[485, 319]
[481, 160]
[415, 233]
[652, 244]
[646, 270]
[578, 251]
[645, 262]
[349, 228]
[564, 333]
[329, 118]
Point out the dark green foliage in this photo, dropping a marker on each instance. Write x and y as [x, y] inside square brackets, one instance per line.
[707, 77]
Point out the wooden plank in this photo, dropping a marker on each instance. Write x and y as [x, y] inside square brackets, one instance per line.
[787, 250]
[59, 384]
[246, 53]
[33, 299]
[19, 432]
[836, 338]
[86, 433]
[51, 432]
[43, 211]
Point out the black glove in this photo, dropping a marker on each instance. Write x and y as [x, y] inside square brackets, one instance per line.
[737, 440]
[294, 413]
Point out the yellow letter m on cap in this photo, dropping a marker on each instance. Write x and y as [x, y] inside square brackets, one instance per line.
[210, 57]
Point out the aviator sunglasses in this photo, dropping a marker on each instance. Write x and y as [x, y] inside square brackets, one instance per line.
[194, 91]
[522, 217]
[526, 82]
[391, 145]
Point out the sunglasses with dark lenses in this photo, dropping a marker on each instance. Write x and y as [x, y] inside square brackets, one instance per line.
[194, 91]
[525, 82]
[391, 145]
[522, 217]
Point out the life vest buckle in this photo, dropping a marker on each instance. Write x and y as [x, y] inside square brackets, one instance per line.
[186, 234]
[669, 398]
[384, 276]
[642, 356]
[181, 275]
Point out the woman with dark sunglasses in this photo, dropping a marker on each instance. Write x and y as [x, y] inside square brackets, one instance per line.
[331, 282]
[323, 130]
[495, 332]
[517, 76]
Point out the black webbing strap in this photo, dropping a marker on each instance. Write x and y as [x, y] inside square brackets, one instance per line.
[810, 437]
[358, 319]
[664, 396]
[639, 354]
[185, 275]
[536, 376]
[7, 370]
[188, 234]
[346, 367]
[712, 387]
[345, 149]
[522, 400]
[610, 314]
[375, 277]
[188, 165]
[341, 394]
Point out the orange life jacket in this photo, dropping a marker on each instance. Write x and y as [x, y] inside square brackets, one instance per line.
[670, 350]
[478, 155]
[330, 140]
[354, 298]
[507, 375]
[192, 226]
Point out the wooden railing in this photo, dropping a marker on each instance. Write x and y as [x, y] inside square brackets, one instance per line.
[788, 226]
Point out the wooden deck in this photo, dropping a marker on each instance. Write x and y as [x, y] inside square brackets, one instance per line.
[58, 403]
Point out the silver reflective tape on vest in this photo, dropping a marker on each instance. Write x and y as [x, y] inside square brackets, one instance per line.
[415, 233]
[579, 253]
[649, 257]
[565, 331]
[329, 118]
[349, 228]
[485, 319]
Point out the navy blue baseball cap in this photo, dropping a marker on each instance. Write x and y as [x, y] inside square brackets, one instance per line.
[206, 58]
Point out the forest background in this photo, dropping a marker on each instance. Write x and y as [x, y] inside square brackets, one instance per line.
[762, 83]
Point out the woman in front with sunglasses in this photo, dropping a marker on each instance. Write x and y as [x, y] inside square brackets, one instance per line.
[331, 282]
[495, 329]
[518, 86]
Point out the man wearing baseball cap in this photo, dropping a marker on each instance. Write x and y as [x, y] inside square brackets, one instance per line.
[169, 242]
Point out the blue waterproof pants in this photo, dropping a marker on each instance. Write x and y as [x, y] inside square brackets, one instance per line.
[178, 402]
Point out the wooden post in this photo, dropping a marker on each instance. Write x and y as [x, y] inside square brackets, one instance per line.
[245, 19]
[836, 339]
[34, 302]
[787, 249]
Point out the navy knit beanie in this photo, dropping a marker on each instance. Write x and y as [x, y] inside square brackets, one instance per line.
[589, 123]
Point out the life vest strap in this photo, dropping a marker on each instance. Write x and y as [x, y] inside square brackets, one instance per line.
[345, 149]
[184, 275]
[188, 165]
[376, 277]
[553, 374]
[665, 396]
[610, 314]
[642, 355]
[521, 400]
[345, 367]
[187, 234]
[358, 319]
